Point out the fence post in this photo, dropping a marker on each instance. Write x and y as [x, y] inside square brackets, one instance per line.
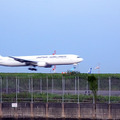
[1, 98]
[47, 88]
[78, 90]
[52, 85]
[98, 86]
[109, 116]
[1, 89]
[18, 81]
[78, 100]
[31, 90]
[87, 88]
[63, 89]
[6, 85]
[41, 85]
[109, 89]
[63, 83]
[29, 85]
[75, 85]
[16, 89]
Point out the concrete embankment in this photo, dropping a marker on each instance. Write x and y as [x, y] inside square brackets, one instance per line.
[59, 111]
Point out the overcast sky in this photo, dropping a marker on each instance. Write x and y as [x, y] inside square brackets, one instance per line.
[88, 28]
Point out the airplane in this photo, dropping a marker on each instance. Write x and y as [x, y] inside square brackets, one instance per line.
[90, 71]
[46, 61]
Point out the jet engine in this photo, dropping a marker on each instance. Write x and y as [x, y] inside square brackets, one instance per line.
[41, 64]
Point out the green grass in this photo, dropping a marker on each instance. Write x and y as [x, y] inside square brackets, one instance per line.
[37, 97]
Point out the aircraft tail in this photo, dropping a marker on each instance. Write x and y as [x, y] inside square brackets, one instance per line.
[90, 71]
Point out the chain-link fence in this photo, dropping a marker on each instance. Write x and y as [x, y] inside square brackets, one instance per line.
[30, 89]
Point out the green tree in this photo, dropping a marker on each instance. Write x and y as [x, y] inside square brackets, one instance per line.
[93, 84]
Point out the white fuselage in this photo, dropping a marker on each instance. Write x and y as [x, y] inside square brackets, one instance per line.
[41, 60]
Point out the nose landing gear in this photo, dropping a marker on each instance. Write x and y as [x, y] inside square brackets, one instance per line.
[32, 69]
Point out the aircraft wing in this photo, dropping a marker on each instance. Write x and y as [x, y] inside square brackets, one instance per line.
[27, 62]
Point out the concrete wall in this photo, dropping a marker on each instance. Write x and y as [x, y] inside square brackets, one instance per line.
[86, 110]
[60, 110]
[115, 111]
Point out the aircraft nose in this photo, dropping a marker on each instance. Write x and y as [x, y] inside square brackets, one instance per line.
[81, 59]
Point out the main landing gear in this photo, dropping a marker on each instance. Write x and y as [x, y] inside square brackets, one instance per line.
[32, 69]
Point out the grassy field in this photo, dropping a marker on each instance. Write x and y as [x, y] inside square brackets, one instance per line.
[42, 97]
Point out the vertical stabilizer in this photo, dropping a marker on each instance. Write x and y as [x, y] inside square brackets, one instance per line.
[90, 71]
